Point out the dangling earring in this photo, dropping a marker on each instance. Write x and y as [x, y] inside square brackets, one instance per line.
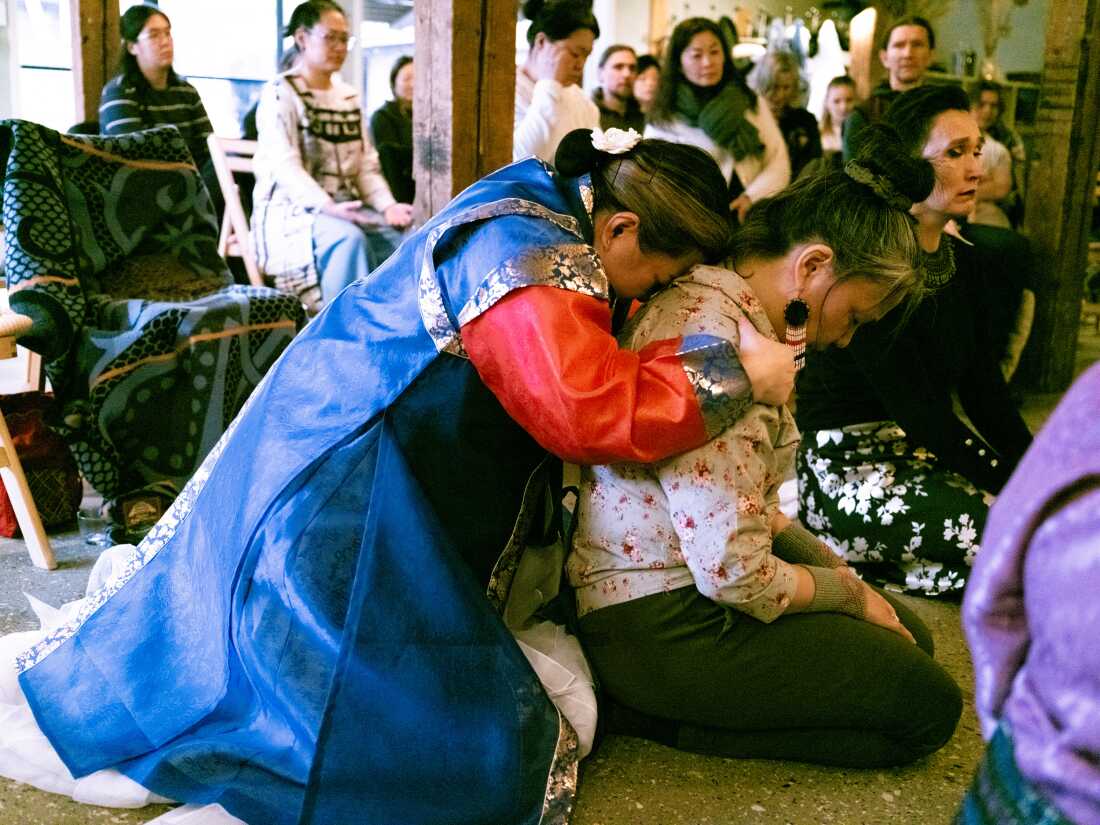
[795, 313]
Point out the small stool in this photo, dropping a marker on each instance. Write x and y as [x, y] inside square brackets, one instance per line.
[12, 325]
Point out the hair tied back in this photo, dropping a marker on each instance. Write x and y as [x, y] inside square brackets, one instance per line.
[879, 184]
[583, 151]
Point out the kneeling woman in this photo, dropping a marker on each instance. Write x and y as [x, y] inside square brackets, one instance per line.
[714, 623]
[889, 473]
[305, 637]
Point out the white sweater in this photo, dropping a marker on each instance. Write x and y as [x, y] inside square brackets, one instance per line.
[546, 112]
[762, 175]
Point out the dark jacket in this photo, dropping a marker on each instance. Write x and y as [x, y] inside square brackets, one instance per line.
[870, 110]
[610, 119]
[391, 128]
[906, 371]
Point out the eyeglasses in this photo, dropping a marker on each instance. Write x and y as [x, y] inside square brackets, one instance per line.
[334, 39]
[156, 35]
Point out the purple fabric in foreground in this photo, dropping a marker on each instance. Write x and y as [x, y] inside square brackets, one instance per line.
[1032, 608]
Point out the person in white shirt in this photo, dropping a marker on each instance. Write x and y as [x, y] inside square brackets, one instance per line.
[704, 101]
[549, 100]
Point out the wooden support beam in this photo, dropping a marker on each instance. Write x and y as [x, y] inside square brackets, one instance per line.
[1061, 179]
[95, 44]
[865, 32]
[464, 103]
[659, 29]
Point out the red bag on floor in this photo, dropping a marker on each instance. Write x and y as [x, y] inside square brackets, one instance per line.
[51, 472]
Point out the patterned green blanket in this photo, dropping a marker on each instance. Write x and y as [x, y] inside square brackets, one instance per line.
[149, 346]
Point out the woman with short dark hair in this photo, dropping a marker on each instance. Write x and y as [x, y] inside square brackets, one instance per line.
[391, 127]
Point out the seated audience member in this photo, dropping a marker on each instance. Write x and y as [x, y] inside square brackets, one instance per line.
[713, 622]
[292, 651]
[323, 214]
[1000, 200]
[777, 79]
[147, 92]
[646, 82]
[888, 473]
[615, 95]
[840, 96]
[549, 100]
[391, 128]
[703, 100]
[1030, 616]
[906, 54]
[1008, 255]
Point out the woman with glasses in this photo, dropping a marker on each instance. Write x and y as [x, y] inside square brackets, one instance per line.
[147, 92]
[323, 213]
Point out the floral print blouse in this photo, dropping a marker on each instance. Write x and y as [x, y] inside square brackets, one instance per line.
[701, 518]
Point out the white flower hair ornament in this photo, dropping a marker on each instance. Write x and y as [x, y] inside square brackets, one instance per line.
[615, 141]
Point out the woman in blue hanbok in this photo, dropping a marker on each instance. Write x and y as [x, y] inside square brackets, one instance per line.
[305, 637]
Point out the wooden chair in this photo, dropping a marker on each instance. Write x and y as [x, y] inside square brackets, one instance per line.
[12, 325]
[231, 155]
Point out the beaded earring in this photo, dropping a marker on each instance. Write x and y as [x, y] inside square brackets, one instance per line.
[796, 313]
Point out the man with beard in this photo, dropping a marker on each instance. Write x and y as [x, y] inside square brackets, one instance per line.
[615, 96]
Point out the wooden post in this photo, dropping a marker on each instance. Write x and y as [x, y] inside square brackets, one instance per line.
[864, 33]
[658, 27]
[1060, 189]
[95, 42]
[464, 102]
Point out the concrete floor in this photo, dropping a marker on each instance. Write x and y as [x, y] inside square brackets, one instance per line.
[627, 781]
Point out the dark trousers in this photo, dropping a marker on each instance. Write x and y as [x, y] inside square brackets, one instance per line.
[812, 687]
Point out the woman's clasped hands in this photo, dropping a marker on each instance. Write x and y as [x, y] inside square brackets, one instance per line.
[398, 215]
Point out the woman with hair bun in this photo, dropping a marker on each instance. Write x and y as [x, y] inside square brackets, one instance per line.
[324, 601]
[323, 214]
[714, 623]
[549, 100]
[703, 101]
[888, 472]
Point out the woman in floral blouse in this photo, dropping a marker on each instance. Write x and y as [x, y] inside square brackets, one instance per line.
[714, 623]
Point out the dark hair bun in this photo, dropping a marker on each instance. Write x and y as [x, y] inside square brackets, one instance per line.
[879, 148]
[533, 8]
[576, 155]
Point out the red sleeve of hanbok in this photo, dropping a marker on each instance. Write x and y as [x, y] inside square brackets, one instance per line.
[549, 357]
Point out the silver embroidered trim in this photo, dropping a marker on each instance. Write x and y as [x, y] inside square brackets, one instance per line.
[433, 312]
[456, 347]
[145, 552]
[588, 195]
[561, 782]
[721, 386]
[574, 267]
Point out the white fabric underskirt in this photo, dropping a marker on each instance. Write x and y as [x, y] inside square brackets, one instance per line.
[26, 754]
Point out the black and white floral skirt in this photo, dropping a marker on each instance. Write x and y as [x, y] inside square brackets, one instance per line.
[889, 508]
